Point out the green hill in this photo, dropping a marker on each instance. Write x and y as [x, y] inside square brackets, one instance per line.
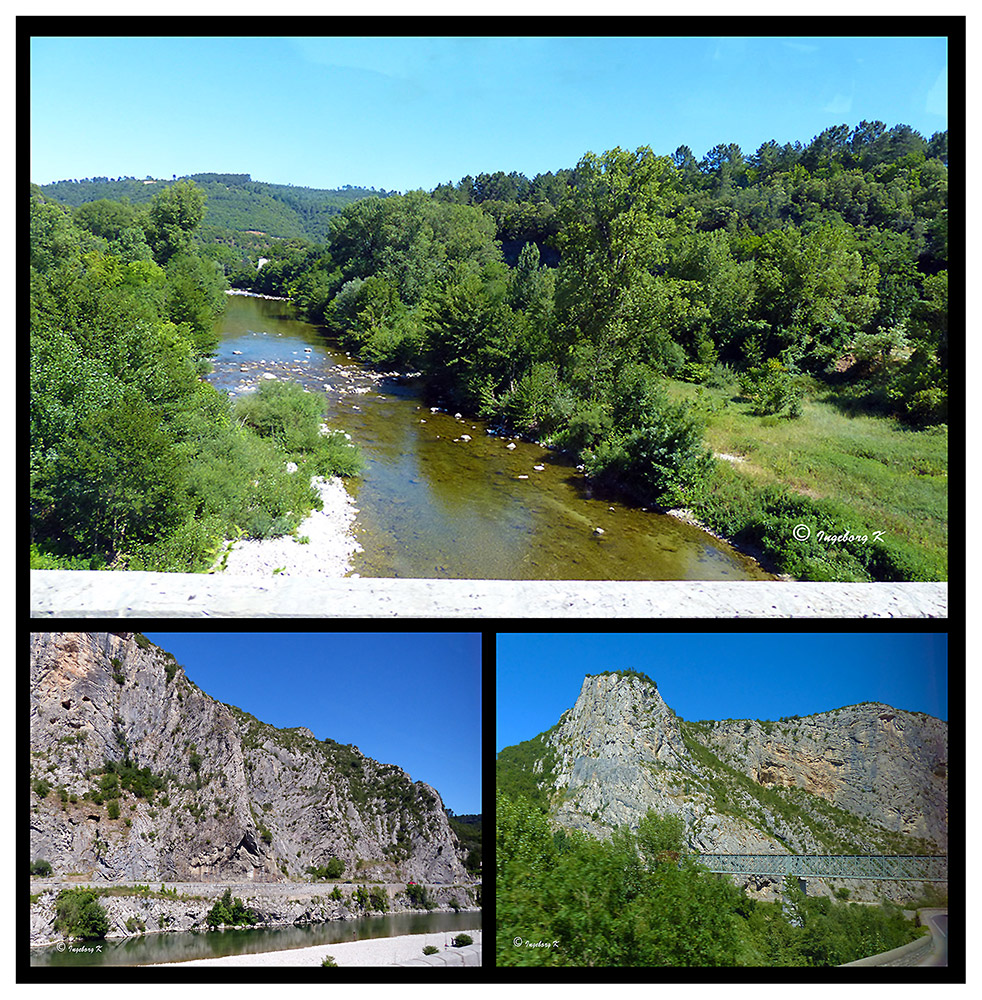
[235, 201]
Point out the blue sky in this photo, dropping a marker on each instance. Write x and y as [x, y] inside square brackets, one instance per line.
[412, 699]
[721, 676]
[405, 113]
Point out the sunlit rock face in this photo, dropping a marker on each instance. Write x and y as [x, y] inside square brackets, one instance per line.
[867, 779]
[227, 797]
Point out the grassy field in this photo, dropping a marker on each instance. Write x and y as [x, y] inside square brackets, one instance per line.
[857, 474]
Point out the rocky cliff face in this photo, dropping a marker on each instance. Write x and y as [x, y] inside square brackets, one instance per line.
[859, 780]
[874, 761]
[202, 790]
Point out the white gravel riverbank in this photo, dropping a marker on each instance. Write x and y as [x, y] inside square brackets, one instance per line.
[327, 554]
[371, 951]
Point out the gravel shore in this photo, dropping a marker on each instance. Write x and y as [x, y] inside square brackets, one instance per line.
[371, 951]
[328, 553]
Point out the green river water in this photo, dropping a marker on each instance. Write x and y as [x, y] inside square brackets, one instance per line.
[167, 947]
[432, 504]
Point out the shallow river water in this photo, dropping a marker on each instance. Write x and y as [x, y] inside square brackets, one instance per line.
[443, 497]
[171, 947]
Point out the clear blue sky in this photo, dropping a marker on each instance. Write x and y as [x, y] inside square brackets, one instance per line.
[405, 113]
[721, 676]
[406, 698]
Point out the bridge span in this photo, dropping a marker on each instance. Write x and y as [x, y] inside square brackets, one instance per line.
[900, 868]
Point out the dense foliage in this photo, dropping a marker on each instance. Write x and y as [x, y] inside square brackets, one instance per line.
[136, 462]
[637, 899]
[468, 831]
[576, 308]
[566, 308]
[231, 912]
[79, 915]
[526, 770]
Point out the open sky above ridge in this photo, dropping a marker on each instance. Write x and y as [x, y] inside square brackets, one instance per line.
[720, 676]
[412, 699]
[401, 113]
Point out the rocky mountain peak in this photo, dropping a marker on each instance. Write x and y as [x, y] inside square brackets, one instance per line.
[138, 774]
[864, 779]
[619, 717]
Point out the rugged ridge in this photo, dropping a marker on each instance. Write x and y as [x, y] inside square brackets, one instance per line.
[857, 780]
[238, 799]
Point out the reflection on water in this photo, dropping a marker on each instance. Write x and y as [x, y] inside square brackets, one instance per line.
[168, 947]
[441, 497]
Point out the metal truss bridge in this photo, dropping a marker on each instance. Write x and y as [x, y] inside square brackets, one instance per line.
[900, 868]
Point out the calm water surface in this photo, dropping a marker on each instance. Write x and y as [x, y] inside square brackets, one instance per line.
[216, 944]
[432, 504]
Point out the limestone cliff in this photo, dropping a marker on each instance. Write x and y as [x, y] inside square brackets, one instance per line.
[858, 780]
[196, 790]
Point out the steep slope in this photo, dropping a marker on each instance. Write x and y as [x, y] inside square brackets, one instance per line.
[138, 774]
[867, 779]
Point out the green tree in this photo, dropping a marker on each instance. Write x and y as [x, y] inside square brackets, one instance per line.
[120, 480]
[172, 218]
[79, 915]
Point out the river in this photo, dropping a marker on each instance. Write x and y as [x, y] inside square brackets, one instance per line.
[441, 496]
[174, 947]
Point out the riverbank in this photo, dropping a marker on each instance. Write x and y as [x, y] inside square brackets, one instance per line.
[368, 952]
[255, 295]
[330, 544]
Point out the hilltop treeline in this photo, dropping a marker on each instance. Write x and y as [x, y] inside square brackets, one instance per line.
[136, 462]
[615, 308]
[793, 276]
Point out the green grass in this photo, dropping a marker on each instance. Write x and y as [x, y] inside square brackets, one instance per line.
[862, 473]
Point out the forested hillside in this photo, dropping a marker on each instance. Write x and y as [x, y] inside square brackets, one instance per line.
[235, 202]
[786, 309]
[136, 462]
[761, 339]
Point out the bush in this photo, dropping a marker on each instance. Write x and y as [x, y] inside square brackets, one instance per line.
[379, 898]
[329, 960]
[430, 950]
[78, 915]
[663, 462]
[229, 912]
[418, 896]
[40, 868]
[772, 388]
[112, 809]
[462, 939]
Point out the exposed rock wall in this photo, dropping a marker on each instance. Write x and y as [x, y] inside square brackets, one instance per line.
[845, 781]
[243, 800]
[872, 760]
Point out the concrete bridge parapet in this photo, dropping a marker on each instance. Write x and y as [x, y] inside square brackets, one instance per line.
[84, 594]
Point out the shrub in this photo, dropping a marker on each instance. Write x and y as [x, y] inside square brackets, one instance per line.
[462, 939]
[418, 896]
[78, 915]
[41, 788]
[335, 894]
[663, 462]
[41, 868]
[430, 950]
[379, 898]
[230, 912]
[772, 388]
[329, 961]
[112, 809]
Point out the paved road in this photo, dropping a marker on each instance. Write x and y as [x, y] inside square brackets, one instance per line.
[938, 922]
